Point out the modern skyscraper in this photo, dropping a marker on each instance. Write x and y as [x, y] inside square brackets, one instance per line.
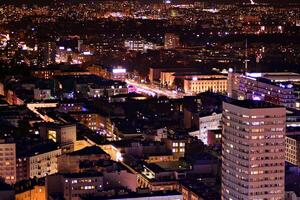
[253, 150]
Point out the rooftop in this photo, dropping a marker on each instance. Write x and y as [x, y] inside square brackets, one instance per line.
[251, 104]
[92, 150]
[41, 148]
[137, 195]
[295, 137]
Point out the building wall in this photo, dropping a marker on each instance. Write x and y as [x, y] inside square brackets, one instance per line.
[176, 146]
[70, 163]
[123, 178]
[245, 87]
[43, 164]
[253, 153]
[167, 78]
[7, 194]
[36, 193]
[154, 74]
[212, 122]
[292, 151]
[72, 187]
[91, 120]
[164, 197]
[209, 83]
[8, 162]
[65, 134]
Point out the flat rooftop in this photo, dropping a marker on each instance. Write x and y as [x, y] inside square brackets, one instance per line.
[295, 137]
[251, 104]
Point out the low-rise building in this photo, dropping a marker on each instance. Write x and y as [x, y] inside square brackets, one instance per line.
[203, 83]
[71, 162]
[75, 185]
[38, 161]
[30, 190]
[60, 133]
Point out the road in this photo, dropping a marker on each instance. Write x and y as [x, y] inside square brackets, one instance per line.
[154, 90]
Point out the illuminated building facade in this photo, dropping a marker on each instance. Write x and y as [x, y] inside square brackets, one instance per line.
[39, 162]
[70, 162]
[292, 149]
[37, 192]
[8, 162]
[177, 146]
[255, 86]
[253, 150]
[208, 125]
[203, 83]
[138, 45]
[119, 73]
[61, 134]
[72, 186]
[47, 52]
[93, 121]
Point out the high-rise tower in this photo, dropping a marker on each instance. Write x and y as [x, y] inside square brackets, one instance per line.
[253, 150]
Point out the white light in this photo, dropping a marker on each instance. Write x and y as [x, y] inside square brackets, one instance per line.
[254, 75]
[117, 71]
[87, 53]
[119, 156]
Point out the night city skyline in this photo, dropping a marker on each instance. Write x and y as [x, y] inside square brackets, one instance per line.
[162, 99]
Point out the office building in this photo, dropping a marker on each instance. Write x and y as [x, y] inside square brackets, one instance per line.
[253, 150]
[258, 86]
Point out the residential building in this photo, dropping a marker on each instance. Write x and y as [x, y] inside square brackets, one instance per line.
[8, 161]
[59, 133]
[253, 150]
[71, 162]
[38, 161]
[73, 186]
